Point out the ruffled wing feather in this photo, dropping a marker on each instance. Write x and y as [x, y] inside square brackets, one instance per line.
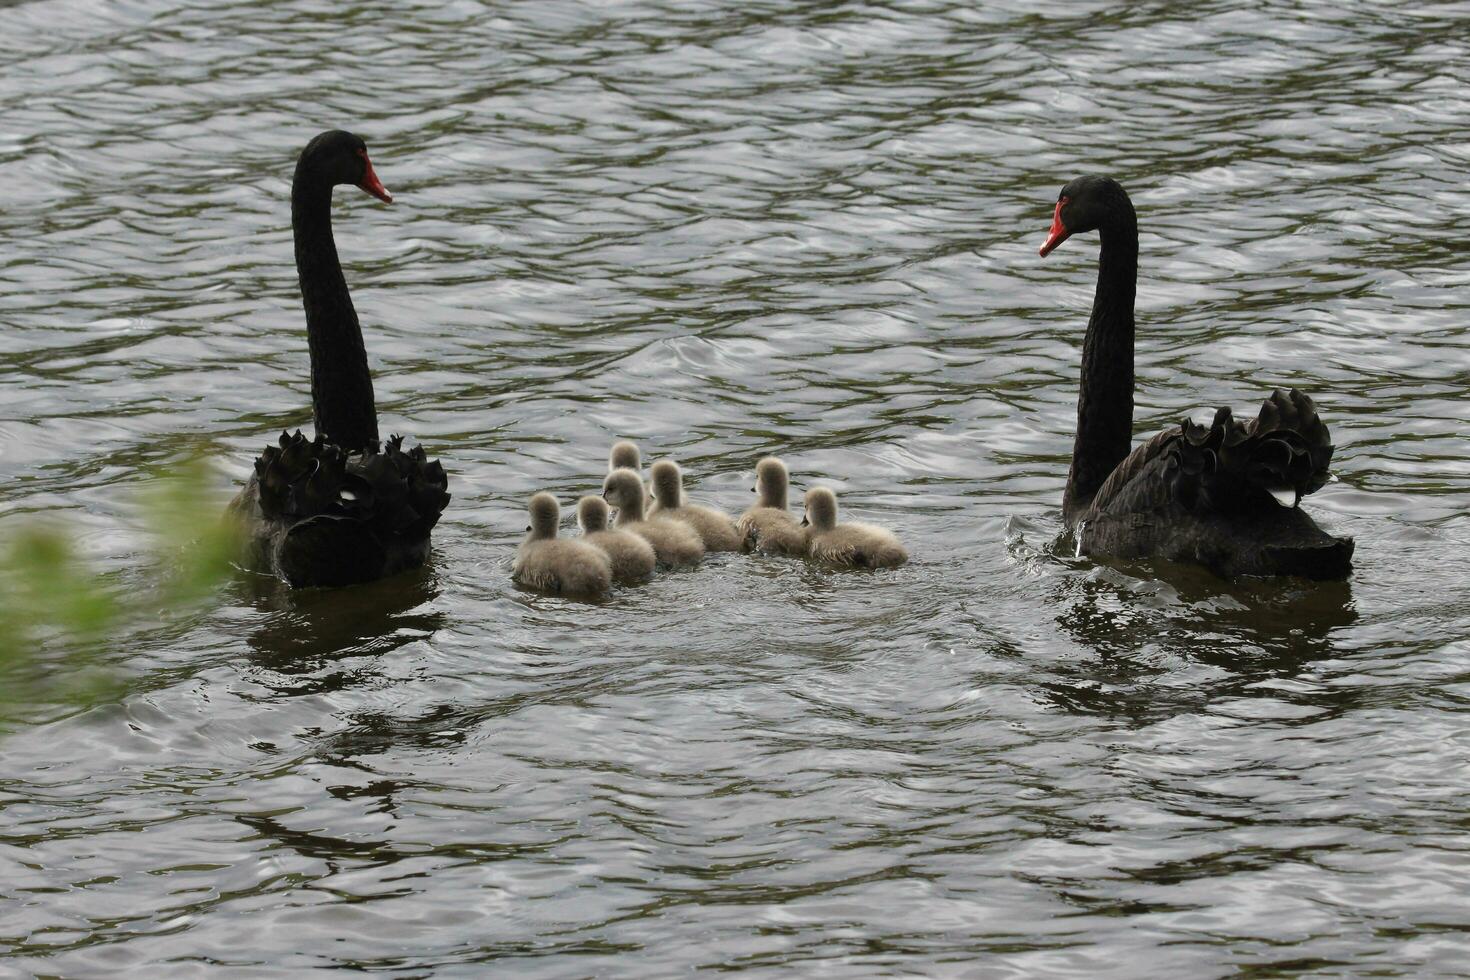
[1226, 467]
[344, 517]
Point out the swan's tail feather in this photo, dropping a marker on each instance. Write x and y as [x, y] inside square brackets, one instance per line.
[393, 491]
[425, 484]
[1294, 447]
[1230, 466]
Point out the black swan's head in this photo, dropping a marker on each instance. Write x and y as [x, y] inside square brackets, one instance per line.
[1087, 204]
[339, 157]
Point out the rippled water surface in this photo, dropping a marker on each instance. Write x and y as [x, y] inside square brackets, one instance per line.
[725, 230]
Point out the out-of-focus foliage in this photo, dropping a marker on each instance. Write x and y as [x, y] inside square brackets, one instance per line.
[57, 613]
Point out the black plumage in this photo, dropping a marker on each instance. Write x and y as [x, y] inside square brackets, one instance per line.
[343, 507]
[1222, 495]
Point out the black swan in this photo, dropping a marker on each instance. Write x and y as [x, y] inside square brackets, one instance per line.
[1222, 495]
[342, 508]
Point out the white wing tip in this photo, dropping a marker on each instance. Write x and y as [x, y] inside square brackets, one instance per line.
[1285, 496]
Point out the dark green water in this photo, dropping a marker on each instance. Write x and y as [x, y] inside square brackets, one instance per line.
[726, 230]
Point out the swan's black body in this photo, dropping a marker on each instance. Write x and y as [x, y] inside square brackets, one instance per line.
[342, 508]
[1223, 495]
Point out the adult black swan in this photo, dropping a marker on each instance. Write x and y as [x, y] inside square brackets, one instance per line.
[1222, 495]
[341, 508]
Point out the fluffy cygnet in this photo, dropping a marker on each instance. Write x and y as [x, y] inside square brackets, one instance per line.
[674, 542]
[625, 455]
[632, 557]
[768, 527]
[714, 528]
[854, 545]
[558, 565]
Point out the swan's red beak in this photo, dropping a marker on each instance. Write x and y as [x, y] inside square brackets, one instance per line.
[370, 181]
[1058, 232]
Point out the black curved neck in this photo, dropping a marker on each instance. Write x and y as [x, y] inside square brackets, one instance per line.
[1105, 404]
[341, 387]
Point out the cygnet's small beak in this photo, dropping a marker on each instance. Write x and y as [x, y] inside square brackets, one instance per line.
[805, 522]
[528, 527]
[752, 489]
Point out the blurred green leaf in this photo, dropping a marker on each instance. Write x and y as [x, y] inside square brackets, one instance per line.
[57, 613]
[195, 544]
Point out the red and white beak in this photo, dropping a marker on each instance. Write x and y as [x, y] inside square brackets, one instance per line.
[1058, 233]
[370, 181]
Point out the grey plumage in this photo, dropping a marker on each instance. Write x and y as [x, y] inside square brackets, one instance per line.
[853, 545]
[768, 527]
[558, 565]
[674, 542]
[632, 557]
[714, 528]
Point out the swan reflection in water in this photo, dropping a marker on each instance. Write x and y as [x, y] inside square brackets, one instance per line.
[1139, 621]
[307, 630]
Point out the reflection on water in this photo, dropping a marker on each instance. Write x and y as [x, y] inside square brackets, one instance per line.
[1138, 630]
[317, 641]
[299, 631]
[727, 230]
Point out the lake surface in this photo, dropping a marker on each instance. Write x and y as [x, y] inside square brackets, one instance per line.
[726, 230]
